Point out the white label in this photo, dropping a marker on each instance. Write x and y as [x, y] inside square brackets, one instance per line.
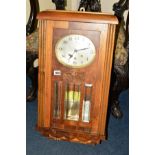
[57, 72]
[88, 85]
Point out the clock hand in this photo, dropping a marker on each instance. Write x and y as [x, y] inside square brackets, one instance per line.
[71, 55]
[75, 51]
[82, 49]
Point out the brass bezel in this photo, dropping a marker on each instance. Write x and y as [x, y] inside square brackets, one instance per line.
[72, 66]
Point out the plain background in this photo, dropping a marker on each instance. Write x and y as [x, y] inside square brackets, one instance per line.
[13, 77]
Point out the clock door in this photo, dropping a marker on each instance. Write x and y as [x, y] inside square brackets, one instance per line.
[75, 105]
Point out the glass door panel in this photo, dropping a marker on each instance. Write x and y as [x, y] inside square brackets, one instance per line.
[87, 103]
[72, 102]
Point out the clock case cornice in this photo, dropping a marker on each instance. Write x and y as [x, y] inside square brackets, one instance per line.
[75, 16]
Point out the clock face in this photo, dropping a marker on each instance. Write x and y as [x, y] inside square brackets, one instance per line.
[75, 51]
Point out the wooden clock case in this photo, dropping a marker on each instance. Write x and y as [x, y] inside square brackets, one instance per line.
[57, 80]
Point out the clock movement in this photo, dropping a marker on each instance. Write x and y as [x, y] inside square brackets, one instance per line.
[75, 61]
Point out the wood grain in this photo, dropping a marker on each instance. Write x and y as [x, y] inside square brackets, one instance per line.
[78, 16]
[100, 29]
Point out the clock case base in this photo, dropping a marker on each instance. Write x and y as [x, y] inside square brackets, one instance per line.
[83, 138]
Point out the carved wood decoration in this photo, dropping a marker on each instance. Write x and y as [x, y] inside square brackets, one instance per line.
[72, 102]
[31, 56]
[32, 72]
[32, 22]
[120, 7]
[90, 5]
[60, 4]
[120, 73]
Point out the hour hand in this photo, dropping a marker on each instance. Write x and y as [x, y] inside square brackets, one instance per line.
[70, 55]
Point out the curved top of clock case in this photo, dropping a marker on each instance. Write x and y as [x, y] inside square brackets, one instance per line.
[77, 16]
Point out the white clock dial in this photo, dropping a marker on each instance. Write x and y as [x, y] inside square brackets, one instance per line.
[75, 51]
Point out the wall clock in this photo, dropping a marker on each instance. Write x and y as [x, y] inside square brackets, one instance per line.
[75, 60]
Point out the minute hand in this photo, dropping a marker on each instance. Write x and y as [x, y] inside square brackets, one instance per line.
[76, 50]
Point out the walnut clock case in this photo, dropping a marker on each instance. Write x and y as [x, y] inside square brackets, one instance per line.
[75, 61]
